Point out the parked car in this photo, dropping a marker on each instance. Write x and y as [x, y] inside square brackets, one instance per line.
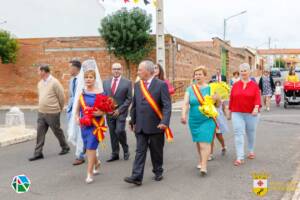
[297, 69]
[275, 72]
[283, 69]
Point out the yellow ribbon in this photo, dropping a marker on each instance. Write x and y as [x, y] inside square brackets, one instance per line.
[208, 108]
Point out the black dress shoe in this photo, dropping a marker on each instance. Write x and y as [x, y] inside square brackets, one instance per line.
[64, 151]
[114, 158]
[158, 177]
[36, 157]
[126, 156]
[78, 162]
[132, 181]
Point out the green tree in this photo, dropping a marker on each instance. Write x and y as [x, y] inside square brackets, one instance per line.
[8, 47]
[279, 63]
[127, 35]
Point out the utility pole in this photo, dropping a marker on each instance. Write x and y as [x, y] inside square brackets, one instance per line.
[160, 35]
[269, 57]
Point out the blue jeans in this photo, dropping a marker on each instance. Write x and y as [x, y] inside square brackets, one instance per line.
[81, 156]
[80, 151]
[244, 123]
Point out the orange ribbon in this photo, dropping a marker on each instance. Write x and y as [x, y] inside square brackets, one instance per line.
[100, 125]
[100, 129]
[156, 109]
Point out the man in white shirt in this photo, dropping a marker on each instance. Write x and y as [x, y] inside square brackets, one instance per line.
[75, 67]
[218, 77]
[120, 89]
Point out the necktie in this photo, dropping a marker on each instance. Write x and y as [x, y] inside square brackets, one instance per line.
[146, 84]
[74, 86]
[114, 86]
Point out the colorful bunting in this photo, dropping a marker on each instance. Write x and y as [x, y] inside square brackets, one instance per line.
[155, 3]
[146, 2]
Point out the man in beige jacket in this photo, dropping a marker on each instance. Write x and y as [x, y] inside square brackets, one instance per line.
[51, 103]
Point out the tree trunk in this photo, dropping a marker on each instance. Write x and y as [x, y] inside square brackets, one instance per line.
[128, 70]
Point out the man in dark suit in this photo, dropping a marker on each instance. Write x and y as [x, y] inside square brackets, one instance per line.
[120, 89]
[147, 125]
[218, 77]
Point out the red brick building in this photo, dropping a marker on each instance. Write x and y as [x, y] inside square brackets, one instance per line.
[18, 81]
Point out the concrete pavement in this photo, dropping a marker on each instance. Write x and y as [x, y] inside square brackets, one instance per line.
[277, 148]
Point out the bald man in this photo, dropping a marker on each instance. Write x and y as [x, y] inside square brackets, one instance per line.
[120, 89]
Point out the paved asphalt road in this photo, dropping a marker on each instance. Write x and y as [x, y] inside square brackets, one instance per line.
[54, 178]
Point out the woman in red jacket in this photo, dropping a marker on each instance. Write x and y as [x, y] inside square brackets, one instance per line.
[244, 107]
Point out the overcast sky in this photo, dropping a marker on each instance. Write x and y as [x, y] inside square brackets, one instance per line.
[192, 20]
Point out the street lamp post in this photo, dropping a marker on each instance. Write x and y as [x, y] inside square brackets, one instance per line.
[226, 19]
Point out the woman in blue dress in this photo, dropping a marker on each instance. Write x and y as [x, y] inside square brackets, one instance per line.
[202, 128]
[90, 141]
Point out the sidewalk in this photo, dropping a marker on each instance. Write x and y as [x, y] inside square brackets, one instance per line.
[175, 106]
[14, 135]
[22, 107]
[296, 194]
[11, 136]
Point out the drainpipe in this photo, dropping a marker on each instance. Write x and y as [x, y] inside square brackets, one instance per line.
[174, 51]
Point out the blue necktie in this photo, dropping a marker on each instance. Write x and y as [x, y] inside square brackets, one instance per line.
[74, 86]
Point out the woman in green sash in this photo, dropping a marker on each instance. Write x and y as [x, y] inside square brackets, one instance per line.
[201, 126]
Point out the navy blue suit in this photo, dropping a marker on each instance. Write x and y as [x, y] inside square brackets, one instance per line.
[214, 78]
[123, 97]
[146, 121]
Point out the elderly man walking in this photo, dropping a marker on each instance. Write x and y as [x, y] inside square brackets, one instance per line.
[51, 103]
[151, 96]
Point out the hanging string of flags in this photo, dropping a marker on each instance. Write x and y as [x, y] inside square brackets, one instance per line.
[146, 2]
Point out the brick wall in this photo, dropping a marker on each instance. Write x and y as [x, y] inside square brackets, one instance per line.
[18, 81]
[185, 56]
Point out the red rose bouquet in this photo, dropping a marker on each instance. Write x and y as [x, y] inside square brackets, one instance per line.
[104, 103]
[86, 120]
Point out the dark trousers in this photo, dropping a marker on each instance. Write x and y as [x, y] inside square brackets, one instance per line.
[117, 135]
[155, 142]
[45, 121]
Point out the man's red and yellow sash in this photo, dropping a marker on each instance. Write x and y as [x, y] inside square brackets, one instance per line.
[200, 98]
[154, 106]
[100, 127]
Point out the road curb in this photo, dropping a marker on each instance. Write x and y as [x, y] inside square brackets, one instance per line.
[19, 106]
[296, 194]
[10, 139]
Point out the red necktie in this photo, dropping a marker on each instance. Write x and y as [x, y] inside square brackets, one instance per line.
[114, 86]
[146, 84]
